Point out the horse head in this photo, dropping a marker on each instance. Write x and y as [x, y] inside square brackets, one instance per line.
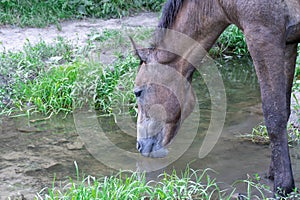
[164, 97]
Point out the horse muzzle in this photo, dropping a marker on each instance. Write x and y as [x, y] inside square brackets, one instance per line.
[151, 147]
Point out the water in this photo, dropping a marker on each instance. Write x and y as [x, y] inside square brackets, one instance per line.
[33, 153]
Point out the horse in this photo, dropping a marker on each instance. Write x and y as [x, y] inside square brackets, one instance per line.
[272, 32]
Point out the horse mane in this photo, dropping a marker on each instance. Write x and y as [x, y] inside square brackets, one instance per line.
[202, 9]
[169, 13]
[168, 17]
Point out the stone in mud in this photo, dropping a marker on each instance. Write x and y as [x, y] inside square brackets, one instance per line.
[31, 146]
[77, 145]
[18, 196]
[28, 130]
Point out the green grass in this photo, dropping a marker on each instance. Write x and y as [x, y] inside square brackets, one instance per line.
[37, 13]
[231, 43]
[259, 135]
[23, 67]
[60, 77]
[132, 185]
[189, 184]
[50, 91]
[118, 39]
[53, 78]
[65, 87]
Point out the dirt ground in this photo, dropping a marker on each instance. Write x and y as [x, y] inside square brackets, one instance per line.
[13, 38]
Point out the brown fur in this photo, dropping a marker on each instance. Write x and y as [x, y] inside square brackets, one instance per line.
[272, 32]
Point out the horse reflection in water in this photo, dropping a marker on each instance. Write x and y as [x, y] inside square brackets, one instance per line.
[272, 32]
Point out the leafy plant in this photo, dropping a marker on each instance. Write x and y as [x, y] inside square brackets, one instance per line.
[231, 43]
[61, 76]
[19, 68]
[50, 91]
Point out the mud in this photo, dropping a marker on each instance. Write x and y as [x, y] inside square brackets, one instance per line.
[32, 155]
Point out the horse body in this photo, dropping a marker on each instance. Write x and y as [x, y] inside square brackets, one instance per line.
[272, 32]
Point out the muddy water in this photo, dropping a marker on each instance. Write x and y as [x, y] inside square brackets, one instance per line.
[33, 153]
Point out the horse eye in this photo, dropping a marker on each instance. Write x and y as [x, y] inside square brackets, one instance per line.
[138, 93]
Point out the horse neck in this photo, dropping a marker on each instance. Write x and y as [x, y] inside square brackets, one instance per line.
[203, 21]
[197, 22]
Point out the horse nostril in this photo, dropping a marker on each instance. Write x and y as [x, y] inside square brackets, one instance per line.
[138, 146]
[138, 93]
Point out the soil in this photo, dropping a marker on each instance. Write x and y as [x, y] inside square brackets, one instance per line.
[14, 38]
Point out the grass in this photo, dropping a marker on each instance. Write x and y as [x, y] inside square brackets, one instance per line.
[58, 77]
[19, 69]
[133, 185]
[23, 67]
[259, 135]
[65, 87]
[231, 43]
[37, 13]
[189, 184]
[118, 39]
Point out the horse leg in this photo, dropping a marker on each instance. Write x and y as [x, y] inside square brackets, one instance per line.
[267, 48]
[289, 66]
[290, 63]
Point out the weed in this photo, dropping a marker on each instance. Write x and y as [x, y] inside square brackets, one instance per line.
[58, 77]
[255, 189]
[230, 43]
[19, 68]
[118, 39]
[132, 185]
[190, 184]
[49, 92]
[259, 135]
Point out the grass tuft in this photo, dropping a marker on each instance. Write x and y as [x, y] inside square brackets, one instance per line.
[190, 184]
[58, 78]
[259, 135]
[231, 43]
[132, 185]
[23, 67]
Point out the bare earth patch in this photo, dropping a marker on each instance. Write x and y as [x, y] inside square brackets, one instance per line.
[13, 38]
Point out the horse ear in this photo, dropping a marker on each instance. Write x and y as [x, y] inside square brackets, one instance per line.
[141, 53]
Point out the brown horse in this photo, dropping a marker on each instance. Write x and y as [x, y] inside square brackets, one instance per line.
[272, 32]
